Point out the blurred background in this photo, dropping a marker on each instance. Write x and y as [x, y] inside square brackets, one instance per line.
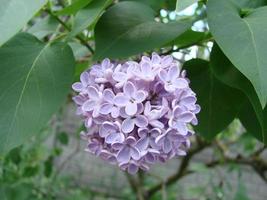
[54, 165]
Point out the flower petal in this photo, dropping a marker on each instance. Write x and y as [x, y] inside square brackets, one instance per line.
[142, 132]
[186, 117]
[124, 155]
[142, 144]
[173, 73]
[93, 93]
[146, 68]
[77, 86]
[132, 168]
[166, 61]
[106, 108]
[105, 64]
[155, 58]
[114, 137]
[115, 112]
[140, 96]
[127, 125]
[85, 78]
[163, 75]
[108, 95]
[135, 153]
[119, 76]
[88, 105]
[131, 108]
[130, 140]
[129, 89]
[167, 146]
[121, 100]
[180, 83]
[141, 121]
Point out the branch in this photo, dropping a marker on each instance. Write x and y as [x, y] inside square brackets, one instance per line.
[83, 41]
[181, 172]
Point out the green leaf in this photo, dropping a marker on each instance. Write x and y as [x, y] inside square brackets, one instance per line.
[129, 28]
[14, 14]
[251, 115]
[20, 191]
[88, 16]
[63, 138]
[242, 39]
[44, 27]
[34, 80]
[190, 38]
[48, 166]
[79, 50]
[30, 171]
[156, 5]
[183, 4]
[73, 8]
[219, 102]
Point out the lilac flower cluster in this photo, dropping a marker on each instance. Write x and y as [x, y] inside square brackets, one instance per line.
[136, 114]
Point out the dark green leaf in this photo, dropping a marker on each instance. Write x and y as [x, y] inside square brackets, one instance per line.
[14, 14]
[63, 138]
[129, 28]
[48, 166]
[156, 5]
[242, 39]
[14, 155]
[79, 50]
[219, 102]
[30, 171]
[44, 27]
[190, 38]
[74, 7]
[88, 15]
[251, 115]
[33, 85]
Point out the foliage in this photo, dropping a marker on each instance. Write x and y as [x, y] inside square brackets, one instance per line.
[46, 44]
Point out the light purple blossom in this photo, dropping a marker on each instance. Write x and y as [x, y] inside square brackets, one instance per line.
[136, 114]
[171, 79]
[130, 98]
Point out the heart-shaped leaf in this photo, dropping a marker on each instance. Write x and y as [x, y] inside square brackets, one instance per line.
[241, 34]
[251, 114]
[34, 80]
[129, 28]
[219, 102]
[14, 14]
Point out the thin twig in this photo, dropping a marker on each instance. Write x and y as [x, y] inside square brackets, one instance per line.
[83, 41]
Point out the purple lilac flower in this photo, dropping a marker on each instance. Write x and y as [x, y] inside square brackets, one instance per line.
[136, 114]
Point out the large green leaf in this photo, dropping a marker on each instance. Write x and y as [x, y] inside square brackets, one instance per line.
[129, 28]
[34, 80]
[14, 14]
[190, 38]
[73, 8]
[219, 102]
[242, 36]
[156, 5]
[251, 114]
[88, 15]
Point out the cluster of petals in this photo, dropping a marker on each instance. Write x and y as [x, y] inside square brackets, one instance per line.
[136, 113]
